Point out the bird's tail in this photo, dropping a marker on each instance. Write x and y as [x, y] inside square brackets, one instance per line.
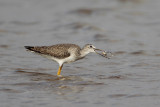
[29, 48]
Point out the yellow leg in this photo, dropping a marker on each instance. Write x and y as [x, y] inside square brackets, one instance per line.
[59, 70]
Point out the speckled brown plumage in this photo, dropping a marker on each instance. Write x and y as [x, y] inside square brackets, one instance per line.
[59, 51]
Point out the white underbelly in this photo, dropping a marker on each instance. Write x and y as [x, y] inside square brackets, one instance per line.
[65, 60]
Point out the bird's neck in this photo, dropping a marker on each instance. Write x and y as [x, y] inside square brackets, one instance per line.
[83, 52]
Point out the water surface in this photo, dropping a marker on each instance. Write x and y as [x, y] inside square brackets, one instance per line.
[128, 28]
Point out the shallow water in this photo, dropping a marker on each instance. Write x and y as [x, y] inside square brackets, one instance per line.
[128, 28]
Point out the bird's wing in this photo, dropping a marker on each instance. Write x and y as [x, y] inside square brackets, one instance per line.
[55, 51]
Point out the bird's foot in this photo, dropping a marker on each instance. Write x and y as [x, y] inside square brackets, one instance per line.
[59, 75]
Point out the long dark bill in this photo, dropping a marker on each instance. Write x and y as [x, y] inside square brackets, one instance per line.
[103, 53]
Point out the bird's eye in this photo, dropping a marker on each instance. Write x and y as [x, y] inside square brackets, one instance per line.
[91, 46]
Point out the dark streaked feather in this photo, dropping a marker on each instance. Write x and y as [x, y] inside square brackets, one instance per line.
[29, 47]
[59, 51]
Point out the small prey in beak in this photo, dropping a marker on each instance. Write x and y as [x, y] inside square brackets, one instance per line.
[103, 53]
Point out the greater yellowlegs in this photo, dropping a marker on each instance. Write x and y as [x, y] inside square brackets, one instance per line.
[64, 53]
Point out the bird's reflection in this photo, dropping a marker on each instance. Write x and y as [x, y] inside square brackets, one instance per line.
[65, 85]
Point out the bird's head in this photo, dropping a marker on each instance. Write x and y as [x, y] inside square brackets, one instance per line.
[88, 48]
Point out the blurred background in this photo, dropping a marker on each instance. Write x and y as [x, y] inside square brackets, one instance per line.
[128, 28]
